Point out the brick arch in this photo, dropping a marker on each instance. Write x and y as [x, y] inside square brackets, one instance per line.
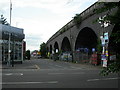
[56, 47]
[86, 38]
[50, 49]
[65, 45]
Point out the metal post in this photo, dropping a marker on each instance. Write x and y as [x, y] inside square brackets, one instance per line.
[22, 50]
[9, 49]
[71, 45]
[10, 11]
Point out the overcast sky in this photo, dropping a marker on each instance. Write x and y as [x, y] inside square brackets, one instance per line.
[40, 19]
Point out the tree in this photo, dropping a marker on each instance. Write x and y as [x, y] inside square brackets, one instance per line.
[3, 20]
[114, 19]
[43, 50]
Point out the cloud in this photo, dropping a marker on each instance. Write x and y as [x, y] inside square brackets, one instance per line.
[40, 19]
[33, 41]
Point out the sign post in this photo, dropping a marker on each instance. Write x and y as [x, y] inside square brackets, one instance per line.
[104, 39]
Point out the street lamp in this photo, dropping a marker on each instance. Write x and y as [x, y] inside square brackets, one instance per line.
[9, 40]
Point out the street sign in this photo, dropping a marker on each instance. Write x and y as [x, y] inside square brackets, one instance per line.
[102, 40]
[106, 37]
[103, 57]
[93, 49]
[104, 63]
[107, 53]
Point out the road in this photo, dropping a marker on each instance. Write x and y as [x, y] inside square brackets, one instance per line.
[45, 73]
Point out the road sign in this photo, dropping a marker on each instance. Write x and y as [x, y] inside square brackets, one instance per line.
[102, 40]
[107, 53]
[106, 36]
[103, 57]
[104, 63]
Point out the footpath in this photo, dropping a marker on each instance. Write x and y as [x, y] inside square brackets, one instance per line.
[25, 65]
[82, 65]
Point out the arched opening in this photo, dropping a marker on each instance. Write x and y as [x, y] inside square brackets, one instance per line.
[86, 41]
[114, 43]
[66, 50]
[50, 49]
[47, 49]
[56, 47]
[66, 45]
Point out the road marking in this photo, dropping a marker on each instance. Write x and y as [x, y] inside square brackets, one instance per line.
[103, 79]
[66, 73]
[59, 66]
[74, 67]
[48, 82]
[9, 74]
[56, 73]
[37, 67]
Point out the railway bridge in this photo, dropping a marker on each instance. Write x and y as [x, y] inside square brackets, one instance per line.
[82, 38]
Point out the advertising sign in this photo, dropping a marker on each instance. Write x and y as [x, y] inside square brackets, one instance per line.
[104, 63]
[102, 40]
[103, 57]
[106, 36]
[107, 53]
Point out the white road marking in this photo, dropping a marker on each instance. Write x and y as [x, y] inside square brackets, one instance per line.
[37, 67]
[48, 82]
[56, 73]
[103, 79]
[59, 66]
[9, 74]
[66, 73]
[76, 67]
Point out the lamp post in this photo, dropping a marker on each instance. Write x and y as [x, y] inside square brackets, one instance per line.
[9, 40]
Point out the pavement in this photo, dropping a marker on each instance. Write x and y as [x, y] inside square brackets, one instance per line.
[25, 65]
[28, 64]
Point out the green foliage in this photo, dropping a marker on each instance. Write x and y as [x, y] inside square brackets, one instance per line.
[112, 68]
[77, 20]
[62, 30]
[108, 7]
[99, 47]
[3, 21]
[116, 36]
[43, 50]
[114, 19]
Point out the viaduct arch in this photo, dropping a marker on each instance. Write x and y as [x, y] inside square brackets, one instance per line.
[86, 39]
[65, 45]
[71, 38]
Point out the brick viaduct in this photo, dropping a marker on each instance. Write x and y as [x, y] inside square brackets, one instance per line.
[70, 38]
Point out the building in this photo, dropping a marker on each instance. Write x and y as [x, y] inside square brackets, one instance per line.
[11, 43]
[24, 49]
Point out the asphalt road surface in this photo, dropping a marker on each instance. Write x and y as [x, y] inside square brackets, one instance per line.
[45, 73]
